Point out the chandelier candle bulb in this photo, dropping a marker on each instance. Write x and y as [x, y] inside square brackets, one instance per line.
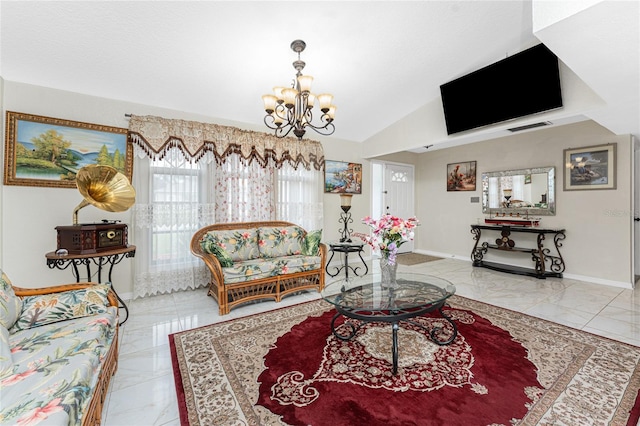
[311, 100]
[325, 101]
[331, 114]
[289, 97]
[269, 103]
[305, 83]
[277, 91]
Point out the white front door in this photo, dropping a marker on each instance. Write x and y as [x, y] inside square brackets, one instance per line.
[398, 194]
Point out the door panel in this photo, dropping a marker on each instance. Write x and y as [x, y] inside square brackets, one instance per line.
[399, 195]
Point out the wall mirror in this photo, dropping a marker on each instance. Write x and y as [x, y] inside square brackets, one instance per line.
[525, 191]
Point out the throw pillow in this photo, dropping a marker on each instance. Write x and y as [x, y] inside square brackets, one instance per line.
[46, 309]
[10, 304]
[240, 244]
[276, 241]
[6, 363]
[210, 245]
[311, 243]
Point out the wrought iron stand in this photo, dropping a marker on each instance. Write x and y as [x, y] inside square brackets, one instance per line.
[109, 257]
[346, 248]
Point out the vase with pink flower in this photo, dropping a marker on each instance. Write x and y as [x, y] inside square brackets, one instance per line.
[387, 235]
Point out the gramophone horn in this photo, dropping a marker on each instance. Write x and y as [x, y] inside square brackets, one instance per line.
[105, 188]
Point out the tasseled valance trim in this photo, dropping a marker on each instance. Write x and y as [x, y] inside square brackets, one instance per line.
[156, 135]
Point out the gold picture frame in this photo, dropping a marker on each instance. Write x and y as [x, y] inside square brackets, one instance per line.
[591, 167]
[48, 152]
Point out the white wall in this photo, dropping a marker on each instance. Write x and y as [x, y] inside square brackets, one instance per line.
[29, 215]
[598, 223]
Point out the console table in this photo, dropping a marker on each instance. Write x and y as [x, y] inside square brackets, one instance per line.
[547, 262]
[107, 257]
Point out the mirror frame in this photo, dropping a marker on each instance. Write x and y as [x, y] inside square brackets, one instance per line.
[551, 191]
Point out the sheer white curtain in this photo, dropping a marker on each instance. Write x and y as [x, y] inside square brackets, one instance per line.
[518, 187]
[299, 195]
[243, 192]
[172, 203]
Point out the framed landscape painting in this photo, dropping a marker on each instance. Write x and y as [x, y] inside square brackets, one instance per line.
[48, 152]
[591, 167]
[341, 177]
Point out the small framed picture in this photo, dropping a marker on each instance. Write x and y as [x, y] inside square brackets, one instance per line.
[342, 177]
[48, 152]
[592, 167]
[461, 176]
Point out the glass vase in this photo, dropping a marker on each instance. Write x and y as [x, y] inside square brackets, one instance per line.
[388, 269]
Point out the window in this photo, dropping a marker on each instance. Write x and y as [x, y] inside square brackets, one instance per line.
[175, 194]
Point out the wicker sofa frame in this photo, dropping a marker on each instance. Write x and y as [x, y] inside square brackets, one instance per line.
[93, 414]
[276, 287]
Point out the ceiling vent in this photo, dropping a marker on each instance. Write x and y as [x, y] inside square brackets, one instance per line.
[530, 126]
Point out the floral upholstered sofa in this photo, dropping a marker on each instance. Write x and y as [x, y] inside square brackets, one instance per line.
[58, 351]
[259, 260]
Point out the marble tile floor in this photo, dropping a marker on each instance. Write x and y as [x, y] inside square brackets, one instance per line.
[143, 391]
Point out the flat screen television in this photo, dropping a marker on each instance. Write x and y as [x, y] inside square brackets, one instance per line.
[523, 84]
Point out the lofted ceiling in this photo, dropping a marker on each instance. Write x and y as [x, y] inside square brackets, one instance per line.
[381, 60]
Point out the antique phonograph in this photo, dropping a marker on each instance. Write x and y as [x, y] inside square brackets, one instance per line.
[107, 189]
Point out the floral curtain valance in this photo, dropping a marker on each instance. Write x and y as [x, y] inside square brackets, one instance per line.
[155, 135]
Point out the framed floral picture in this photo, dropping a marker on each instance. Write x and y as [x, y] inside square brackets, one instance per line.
[461, 176]
[342, 177]
[591, 167]
[48, 152]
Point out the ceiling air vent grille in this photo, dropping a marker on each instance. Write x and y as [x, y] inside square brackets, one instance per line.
[530, 126]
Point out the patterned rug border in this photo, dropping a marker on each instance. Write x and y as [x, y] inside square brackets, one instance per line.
[495, 314]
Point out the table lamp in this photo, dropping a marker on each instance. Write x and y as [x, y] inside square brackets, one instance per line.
[345, 217]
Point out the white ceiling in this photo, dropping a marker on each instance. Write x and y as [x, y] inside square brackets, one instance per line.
[381, 60]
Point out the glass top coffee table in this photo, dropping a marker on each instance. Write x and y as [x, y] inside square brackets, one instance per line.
[365, 299]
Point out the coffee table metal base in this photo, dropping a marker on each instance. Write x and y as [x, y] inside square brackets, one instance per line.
[393, 317]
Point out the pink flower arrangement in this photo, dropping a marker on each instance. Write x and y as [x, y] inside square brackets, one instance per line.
[389, 233]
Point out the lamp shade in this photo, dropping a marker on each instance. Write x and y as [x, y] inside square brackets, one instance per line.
[305, 83]
[269, 103]
[331, 114]
[277, 91]
[325, 101]
[345, 201]
[289, 95]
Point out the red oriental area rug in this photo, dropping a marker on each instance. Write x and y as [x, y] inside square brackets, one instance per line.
[285, 367]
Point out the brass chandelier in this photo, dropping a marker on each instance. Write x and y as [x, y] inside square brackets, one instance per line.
[292, 108]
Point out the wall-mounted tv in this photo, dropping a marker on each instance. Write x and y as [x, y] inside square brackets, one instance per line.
[523, 84]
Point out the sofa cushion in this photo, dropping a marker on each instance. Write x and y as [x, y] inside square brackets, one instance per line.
[263, 268]
[56, 369]
[312, 243]
[54, 307]
[280, 241]
[210, 245]
[6, 363]
[10, 304]
[240, 244]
